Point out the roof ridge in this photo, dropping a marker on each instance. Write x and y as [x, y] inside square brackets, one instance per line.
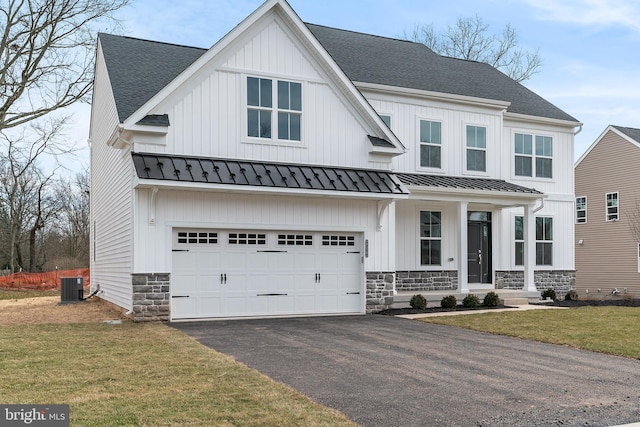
[151, 41]
[370, 35]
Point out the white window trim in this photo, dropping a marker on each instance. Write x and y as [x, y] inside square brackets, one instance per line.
[444, 242]
[487, 158]
[606, 207]
[274, 140]
[553, 243]
[638, 254]
[513, 242]
[586, 208]
[419, 167]
[533, 156]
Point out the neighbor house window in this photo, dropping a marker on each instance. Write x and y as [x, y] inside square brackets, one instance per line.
[430, 144]
[612, 206]
[476, 148]
[430, 237]
[530, 162]
[581, 210]
[544, 240]
[262, 96]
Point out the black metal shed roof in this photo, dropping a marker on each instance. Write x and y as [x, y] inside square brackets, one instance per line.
[263, 174]
[481, 184]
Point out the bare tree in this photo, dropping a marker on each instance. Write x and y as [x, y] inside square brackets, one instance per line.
[74, 217]
[470, 39]
[46, 55]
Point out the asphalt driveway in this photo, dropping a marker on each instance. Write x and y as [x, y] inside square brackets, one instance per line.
[387, 371]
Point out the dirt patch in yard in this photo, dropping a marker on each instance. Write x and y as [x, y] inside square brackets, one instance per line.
[49, 310]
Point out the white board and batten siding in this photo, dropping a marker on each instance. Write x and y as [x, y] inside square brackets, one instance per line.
[111, 199]
[208, 114]
[182, 209]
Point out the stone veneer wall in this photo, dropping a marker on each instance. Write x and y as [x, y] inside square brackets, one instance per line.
[151, 297]
[561, 281]
[379, 292]
[427, 280]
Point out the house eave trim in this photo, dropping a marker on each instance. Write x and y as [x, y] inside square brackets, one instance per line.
[544, 120]
[439, 96]
[249, 189]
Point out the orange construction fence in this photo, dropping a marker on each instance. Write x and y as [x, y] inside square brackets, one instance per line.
[49, 280]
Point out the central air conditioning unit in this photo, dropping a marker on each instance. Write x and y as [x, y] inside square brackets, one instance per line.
[71, 289]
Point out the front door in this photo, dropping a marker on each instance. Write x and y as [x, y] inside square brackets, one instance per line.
[479, 247]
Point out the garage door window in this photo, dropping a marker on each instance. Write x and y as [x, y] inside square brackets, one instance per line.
[338, 240]
[198, 237]
[295, 239]
[247, 239]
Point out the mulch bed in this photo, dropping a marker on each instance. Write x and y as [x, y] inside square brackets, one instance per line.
[626, 302]
[620, 302]
[400, 311]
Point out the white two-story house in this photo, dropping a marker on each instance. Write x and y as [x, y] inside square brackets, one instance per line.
[294, 169]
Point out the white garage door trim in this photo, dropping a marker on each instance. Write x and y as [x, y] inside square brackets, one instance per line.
[263, 273]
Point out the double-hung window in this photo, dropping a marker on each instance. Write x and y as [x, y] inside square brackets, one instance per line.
[519, 238]
[274, 105]
[612, 206]
[430, 238]
[544, 240]
[581, 210]
[430, 144]
[476, 148]
[530, 162]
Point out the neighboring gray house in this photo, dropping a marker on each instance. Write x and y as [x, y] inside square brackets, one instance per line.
[294, 169]
[607, 210]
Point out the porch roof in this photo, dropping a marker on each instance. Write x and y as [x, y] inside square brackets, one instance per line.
[465, 183]
[200, 170]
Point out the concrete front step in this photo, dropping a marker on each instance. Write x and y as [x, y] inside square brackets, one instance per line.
[509, 297]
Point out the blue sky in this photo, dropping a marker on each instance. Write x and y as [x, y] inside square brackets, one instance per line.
[590, 48]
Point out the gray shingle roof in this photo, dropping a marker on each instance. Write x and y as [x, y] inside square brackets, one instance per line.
[441, 181]
[630, 132]
[264, 174]
[139, 69]
[373, 59]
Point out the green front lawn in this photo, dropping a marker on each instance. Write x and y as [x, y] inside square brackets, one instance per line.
[144, 375]
[612, 330]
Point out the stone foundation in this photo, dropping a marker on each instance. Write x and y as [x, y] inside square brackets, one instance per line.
[409, 281]
[151, 297]
[561, 281]
[379, 293]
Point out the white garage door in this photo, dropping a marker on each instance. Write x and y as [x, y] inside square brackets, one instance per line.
[235, 273]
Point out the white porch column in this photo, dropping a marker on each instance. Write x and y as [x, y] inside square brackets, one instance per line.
[463, 277]
[529, 249]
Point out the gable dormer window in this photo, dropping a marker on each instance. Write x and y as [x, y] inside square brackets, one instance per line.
[274, 105]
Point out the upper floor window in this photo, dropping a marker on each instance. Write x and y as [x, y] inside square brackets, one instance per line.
[529, 162]
[430, 237]
[581, 210]
[430, 144]
[612, 206]
[476, 148]
[262, 96]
